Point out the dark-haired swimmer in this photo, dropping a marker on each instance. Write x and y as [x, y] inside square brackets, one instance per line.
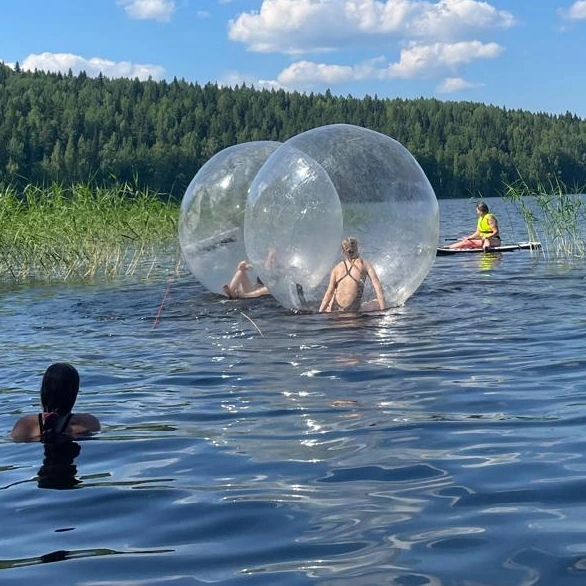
[241, 287]
[59, 390]
[347, 279]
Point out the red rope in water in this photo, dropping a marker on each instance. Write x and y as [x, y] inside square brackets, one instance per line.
[167, 289]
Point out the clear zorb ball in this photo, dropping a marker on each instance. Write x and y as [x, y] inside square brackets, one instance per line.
[211, 218]
[335, 181]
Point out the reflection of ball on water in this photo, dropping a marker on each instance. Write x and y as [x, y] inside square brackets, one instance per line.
[211, 219]
[385, 199]
[293, 224]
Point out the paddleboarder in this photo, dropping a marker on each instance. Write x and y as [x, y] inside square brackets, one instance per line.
[486, 234]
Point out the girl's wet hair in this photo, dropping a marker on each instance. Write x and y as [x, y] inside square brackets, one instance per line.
[350, 247]
[59, 388]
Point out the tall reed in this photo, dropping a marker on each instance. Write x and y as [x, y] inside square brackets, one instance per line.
[77, 231]
[553, 214]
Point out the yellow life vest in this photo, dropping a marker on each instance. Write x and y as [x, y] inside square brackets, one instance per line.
[484, 228]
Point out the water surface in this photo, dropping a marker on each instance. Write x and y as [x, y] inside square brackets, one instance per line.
[439, 443]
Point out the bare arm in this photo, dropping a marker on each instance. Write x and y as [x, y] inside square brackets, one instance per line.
[26, 429]
[378, 288]
[329, 292]
[83, 423]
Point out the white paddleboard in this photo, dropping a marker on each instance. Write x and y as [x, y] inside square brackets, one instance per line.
[444, 250]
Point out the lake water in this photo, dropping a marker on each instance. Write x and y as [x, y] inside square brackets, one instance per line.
[441, 443]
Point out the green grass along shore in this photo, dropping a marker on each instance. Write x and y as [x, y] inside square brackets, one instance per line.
[77, 232]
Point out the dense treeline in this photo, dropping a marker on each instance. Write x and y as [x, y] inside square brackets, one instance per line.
[66, 128]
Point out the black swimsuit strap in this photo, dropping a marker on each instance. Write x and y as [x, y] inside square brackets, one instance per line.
[355, 305]
[349, 273]
[60, 425]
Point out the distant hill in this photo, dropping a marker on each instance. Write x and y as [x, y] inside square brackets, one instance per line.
[66, 128]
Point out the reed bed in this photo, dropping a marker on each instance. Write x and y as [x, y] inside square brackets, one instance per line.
[553, 215]
[81, 232]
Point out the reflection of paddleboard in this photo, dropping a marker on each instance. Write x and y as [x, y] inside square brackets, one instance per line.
[444, 251]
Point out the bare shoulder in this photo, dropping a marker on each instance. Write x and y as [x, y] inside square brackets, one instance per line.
[26, 429]
[371, 271]
[338, 270]
[81, 423]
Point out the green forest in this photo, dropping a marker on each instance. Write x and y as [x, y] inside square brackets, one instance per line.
[65, 128]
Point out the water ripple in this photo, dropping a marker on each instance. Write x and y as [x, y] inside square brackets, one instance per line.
[439, 443]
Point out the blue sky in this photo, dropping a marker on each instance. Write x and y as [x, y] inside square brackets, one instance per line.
[518, 54]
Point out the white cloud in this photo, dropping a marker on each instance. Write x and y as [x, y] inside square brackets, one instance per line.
[234, 78]
[303, 26]
[63, 62]
[455, 84]
[419, 39]
[423, 61]
[307, 74]
[577, 11]
[268, 84]
[288, 26]
[416, 62]
[455, 19]
[160, 10]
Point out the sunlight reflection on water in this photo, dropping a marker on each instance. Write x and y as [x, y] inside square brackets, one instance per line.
[439, 443]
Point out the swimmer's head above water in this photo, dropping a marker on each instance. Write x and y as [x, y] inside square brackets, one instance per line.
[59, 388]
[350, 247]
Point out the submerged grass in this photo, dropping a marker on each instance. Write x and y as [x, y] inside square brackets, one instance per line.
[78, 232]
[553, 215]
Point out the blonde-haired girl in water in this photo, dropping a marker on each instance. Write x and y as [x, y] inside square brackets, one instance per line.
[347, 279]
